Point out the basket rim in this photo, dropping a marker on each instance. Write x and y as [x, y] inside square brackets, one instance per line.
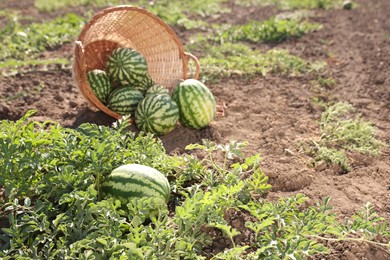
[157, 19]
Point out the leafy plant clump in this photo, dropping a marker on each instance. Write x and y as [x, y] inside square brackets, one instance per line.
[22, 43]
[227, 51]
[188, 14]
[295, 4]
[238, 59]
[52, 206]
[49, 6]
[342, 131]
[173, 12]
[341, 127]
[271, 31]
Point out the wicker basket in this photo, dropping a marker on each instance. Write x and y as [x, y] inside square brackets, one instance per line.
[133, 27]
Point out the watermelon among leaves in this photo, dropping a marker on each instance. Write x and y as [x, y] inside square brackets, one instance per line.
[126, 66]
[197, 106]
[136, 181]
[157, 114]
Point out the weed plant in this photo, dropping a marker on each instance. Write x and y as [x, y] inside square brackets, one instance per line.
[49, 6]
[227, 50]
[21, 44]
[229, 59]
[343, 130]
[295, 4]
[173, 12]
[269, 31]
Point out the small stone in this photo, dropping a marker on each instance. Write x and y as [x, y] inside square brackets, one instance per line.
[59, 98]
[356, 250]
[297, 104]
[339, 247]
[237, 224]
[322, 165]
[350, 256]
[72, 104]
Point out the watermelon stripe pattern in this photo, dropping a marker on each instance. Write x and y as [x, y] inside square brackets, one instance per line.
[137, 181]
[156, 89]
[100, 84]
[144, 85]
[126, 66]
[131, 186]
[124, 101]
[157, 114]
[197, 107]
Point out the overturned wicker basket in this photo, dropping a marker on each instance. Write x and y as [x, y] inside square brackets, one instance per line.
[132, 27]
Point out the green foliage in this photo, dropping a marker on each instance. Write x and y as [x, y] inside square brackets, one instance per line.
[49, 6]
[178, 13]
[295, 4]
[226, 53]
[230, 59]
[342, 131]
[332, 156]
[53, 208]
[341, 128]
[205, 209]
[23, 42]
[272, 31]
[189, 14]
[52, 160]
[12, 66]
[368, 222]
[326, 82]
[283, 233]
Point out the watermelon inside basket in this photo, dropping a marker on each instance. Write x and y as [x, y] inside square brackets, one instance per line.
[136, 28]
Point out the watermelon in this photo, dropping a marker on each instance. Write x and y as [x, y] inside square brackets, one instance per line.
[100, 84]
[136, 181]
[126, 66]
[157, 114]
[156, 89]
[124, 100]
[197, 106]
[145, 84]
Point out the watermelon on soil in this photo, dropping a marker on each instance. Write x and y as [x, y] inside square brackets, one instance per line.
[100, 84]
[157, 114]
[126, 66]
[136, 181]
[124, 101]
[197, 106]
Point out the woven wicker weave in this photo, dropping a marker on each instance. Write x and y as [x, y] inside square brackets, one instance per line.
[132, 27]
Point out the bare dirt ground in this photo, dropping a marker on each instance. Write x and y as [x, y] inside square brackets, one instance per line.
[274, 113]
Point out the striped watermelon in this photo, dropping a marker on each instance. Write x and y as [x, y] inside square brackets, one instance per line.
[197, 107]
[145, 84]
[124, 100]
[100, 84]
[156, 89]
[126, 66]
[157, 114]
[136, 181]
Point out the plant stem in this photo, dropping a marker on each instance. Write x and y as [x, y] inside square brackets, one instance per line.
[352, 239]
